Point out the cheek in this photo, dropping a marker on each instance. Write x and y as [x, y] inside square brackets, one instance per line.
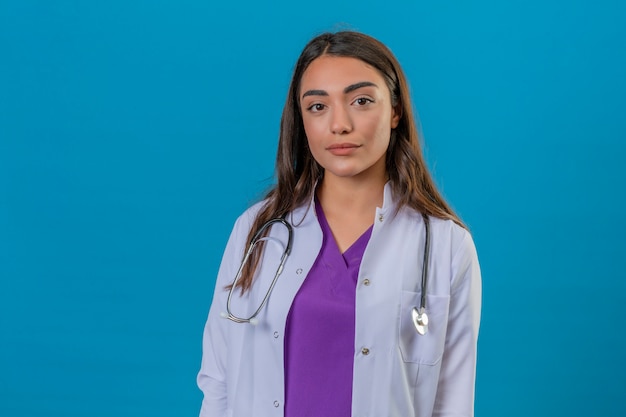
[313, 131]
[379, 128]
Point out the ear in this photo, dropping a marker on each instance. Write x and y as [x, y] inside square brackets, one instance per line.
[396, 115]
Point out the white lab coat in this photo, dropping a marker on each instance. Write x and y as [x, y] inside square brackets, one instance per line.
[397, 372]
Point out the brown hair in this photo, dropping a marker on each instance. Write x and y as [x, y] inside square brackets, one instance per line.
[296, 170]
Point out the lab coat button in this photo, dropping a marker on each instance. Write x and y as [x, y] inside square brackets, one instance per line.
[299, 271]
[381, 218]
[275, 335]
[366, 282]
[365, 351]
[276, 403]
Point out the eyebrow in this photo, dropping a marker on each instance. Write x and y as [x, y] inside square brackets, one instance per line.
[346, 90]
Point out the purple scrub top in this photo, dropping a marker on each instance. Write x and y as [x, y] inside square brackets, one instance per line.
[319, 338]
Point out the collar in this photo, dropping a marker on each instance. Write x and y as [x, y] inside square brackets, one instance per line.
[389, 202]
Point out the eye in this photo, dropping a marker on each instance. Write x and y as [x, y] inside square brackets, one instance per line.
[363, 101]
[316, 107]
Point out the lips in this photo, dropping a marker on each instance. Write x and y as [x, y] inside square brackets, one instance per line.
[342, 149]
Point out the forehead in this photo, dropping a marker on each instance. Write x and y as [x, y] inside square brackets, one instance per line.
[331, 73]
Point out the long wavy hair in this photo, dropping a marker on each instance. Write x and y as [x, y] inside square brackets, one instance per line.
[297, 172]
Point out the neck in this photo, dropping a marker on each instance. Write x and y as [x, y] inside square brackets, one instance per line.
[353, 195]
[349, 205]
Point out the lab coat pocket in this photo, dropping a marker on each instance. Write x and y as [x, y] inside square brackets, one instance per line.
[428, 348]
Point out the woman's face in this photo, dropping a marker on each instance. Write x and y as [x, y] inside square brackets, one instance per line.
[347, 115]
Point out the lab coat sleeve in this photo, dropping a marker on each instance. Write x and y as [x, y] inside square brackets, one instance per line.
[455, 391]
[212, 376]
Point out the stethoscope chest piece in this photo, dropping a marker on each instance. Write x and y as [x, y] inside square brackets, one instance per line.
[420, 320]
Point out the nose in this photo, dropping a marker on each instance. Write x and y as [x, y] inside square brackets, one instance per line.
[340, 122]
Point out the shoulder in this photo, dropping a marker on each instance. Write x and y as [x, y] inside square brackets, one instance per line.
[457, 236]
[443, 230]
[448, 239]
[459, 244]
[246, 219]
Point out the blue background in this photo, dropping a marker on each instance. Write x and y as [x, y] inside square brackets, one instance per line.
[132, 133]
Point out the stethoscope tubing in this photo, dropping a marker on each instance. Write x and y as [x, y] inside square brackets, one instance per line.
[256, 239]
[425, 263]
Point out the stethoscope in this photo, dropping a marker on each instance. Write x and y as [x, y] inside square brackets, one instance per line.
[256, 239]
[419, 316]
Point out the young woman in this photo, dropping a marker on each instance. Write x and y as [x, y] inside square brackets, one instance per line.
[356, 234]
